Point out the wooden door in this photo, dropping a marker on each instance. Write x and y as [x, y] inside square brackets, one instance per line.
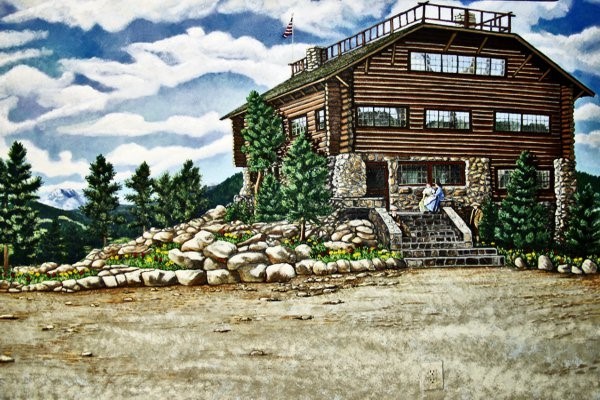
[377, 181]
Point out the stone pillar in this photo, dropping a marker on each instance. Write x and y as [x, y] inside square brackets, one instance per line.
[565, 186]
[248, 186]
[478, 180]
[314, 58]
[349, 176]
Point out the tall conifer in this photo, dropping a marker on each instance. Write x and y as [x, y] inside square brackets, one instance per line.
[269, 205]
[142, 196]
[582, 236]
[189, 194]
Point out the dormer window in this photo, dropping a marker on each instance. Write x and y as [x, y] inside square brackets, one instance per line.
[457, 64]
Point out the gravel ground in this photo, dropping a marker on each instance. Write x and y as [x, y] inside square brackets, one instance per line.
[424, 334]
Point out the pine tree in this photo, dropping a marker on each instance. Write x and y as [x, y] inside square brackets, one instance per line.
[488, 222]
[189, 194]
[582, 236]
[522, 221]
[270, 200]
[263, 136]
[52, 245]
[102, 198]
[163, 187]
[4, 216]
[305, 192]
[21, 220]
[142, 197]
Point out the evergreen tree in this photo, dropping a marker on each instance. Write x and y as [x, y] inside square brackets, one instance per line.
[52, 245]
[102, 198]
[4, 216]
[488, 222]
[305, 192]
[20, 219]
[269, 205]
[163, 187]
[582, 236]
[142, 197]
[188, 192]
[263, 136]
[76, 239]
[522, 221]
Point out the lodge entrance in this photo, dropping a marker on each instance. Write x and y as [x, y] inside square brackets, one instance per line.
[377, 181]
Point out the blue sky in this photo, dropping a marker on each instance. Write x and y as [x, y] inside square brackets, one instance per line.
[149, 83]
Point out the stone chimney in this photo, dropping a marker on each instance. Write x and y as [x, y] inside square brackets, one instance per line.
[315, 56]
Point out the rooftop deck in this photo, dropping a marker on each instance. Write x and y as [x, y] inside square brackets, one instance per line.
[422, 13]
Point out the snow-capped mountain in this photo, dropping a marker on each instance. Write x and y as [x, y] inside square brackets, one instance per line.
[65, 199]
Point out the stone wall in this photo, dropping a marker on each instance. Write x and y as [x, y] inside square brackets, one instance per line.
[565, 186]
[349, 176]
[247, 186]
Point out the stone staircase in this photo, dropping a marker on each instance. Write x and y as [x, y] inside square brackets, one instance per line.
[435, 240]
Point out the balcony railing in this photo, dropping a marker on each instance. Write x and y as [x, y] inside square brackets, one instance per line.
[422, 13]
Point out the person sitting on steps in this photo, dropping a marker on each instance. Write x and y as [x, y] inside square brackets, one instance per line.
[433, 205]
[428, 196]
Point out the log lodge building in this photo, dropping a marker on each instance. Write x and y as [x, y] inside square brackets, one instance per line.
[434, 93]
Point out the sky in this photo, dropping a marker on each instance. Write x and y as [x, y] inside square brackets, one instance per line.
[149, 81]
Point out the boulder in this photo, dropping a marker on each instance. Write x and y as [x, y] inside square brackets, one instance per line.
[212, 265]
[280, 255]
[134, 278]
[319, 268]
[564, 269]
[520, 263]
[109, 281]
[339, 234]
[91, 282]
[221, 277]
[220, 251]
[214, 228]
[280, 273]
[575, 270]
[98, 264]
[545, 264]
[191, 277]
[248, 259]
[164, 236]
[182, 238]
[48, 266]
[303, 252]
[51, 285]
[259, 237]
[339, 246]
[358, 266]
[216, 213]
[589, 267]
[158, 277]
[260, 246]
[364, 229]
[305, 267]
[252, 274]
[378, 264]
[343, 266]
[199, 241]
[188, 259]
[121, 280]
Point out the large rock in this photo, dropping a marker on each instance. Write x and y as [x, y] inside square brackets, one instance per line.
[520, 263]
[253, 274]
[134, 278]
[280, 273]
[248, 259]
[280, 255]
[191, 277]
[164, 236]
[216, 213]
[91, 282]
[348, 247]
[182, 238]
[158, 277]
[589, 267]
[305, 267]
[199, 241]
[220, 251]
[343, 266]
[212, 265]
[259, 237]
[221, 277]
[545, 264]
[303, 252]
[188, 259]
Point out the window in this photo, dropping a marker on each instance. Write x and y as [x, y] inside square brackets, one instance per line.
[443, 119]
[457, 64]
[516, 122]
[543, 178]
[298, 126]
[382, 116]
[420, 174]
[320, 119]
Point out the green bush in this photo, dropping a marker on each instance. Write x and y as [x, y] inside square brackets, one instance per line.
[239, 211]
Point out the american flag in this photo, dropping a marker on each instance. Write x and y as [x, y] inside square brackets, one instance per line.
[289, 30]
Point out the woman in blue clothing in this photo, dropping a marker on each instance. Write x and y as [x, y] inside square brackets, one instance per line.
[433, 205]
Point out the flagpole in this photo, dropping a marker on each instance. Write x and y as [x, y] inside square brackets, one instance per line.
[293, 35]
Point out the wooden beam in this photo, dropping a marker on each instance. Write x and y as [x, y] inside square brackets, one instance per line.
[522, 65]
[393, 54]
[367, 65]
[545, 74]
[485, 39]
[450, 41]
[341, 80]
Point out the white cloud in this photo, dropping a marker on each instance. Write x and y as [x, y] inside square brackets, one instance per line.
[10, 39]
[587, 112]
[127, 124]
[15, 56]
[164, 158]
[591, 139]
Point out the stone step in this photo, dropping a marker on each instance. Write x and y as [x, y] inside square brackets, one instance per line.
[432, 239]
[468, 261]
[464, 252]
[432, 233]
[414, 245]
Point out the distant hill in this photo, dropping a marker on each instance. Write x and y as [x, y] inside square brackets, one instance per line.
[65, 199]
[583, 178]
[224, 192]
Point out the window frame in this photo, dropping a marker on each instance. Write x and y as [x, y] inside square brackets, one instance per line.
[406, 120]
[503, 189]
[296, 118]
[429, 165]
[320, 119]
[451, 128]
[472, 70]
[521, 115]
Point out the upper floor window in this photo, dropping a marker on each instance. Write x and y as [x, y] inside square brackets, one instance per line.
[320, 119]
[382, 116]
[299, 126]
[517, 122]
[457, 64]
[543, 178]
[445, 119]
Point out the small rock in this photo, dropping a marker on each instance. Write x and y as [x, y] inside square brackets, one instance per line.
[589, 267]
[333, 302]
[520, 263]
[303, 252]
[222, 329]
[269, 299]
[69, 303]
[191, 277]
[302, 317]
[8, 317]
[303, 294]
[305, 267]
[221, 276]
[128, 299]
[87, 354]
[253, 274]
[248, 259]
[280, 255]
[220, 251]
[564, 269]
[575, 270]
[6, 359]
[48, 327]
[257, 353]
[280, 273]
[544, 263]
[110, 281]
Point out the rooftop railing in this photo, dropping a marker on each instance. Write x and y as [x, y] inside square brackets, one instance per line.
[422, 13]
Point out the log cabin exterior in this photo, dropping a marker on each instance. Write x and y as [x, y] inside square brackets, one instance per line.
[431, 94]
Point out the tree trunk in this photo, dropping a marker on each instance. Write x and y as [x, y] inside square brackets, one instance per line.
[104, 241]
[259, 175]
[302, 230]
[6, 270]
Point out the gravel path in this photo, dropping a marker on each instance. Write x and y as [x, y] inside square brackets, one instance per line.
[437, 333]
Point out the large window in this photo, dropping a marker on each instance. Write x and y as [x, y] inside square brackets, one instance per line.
[298, 126]
[445, 119]
[320, 119]
[457, 64]
[382, 116]
[420, 174]
[517, 122]
[543, 178]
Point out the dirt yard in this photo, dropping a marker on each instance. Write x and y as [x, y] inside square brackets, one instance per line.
[432, 334]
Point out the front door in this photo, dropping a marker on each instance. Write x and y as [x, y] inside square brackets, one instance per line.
[377, 181]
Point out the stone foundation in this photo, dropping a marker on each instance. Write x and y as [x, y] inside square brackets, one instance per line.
[247, 186]
[565, 186]
[349, 176]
